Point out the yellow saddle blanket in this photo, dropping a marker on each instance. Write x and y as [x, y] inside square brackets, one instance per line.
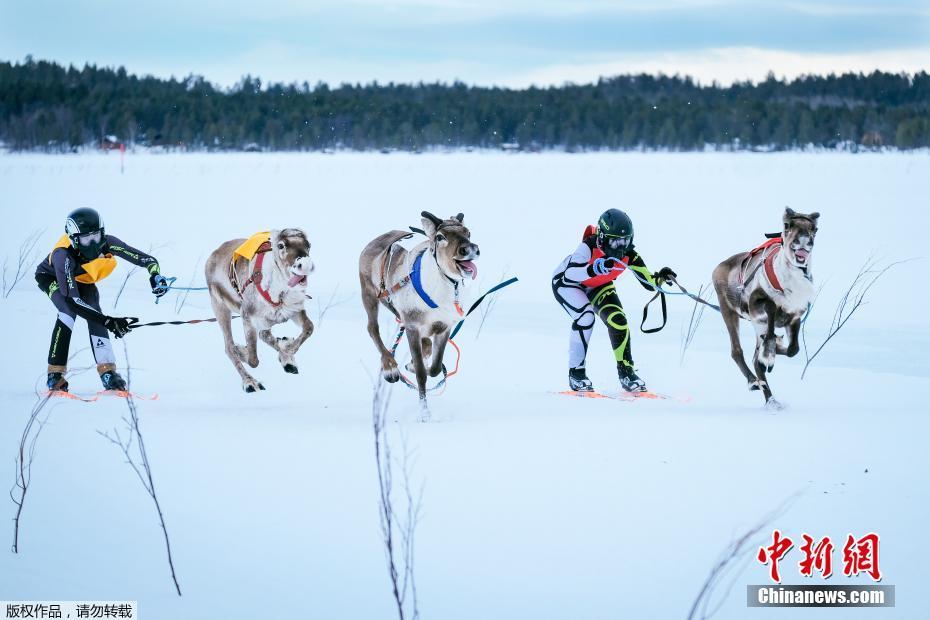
[248, 248]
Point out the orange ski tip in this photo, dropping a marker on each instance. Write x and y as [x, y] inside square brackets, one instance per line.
[583, 394]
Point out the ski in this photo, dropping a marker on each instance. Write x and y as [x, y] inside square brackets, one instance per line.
[625, 396]
[97, 396]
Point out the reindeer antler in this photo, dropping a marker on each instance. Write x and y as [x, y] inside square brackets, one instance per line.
[435, 220]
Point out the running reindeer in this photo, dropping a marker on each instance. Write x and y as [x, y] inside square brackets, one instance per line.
[436, 271]
[264, 293]
[770, 286]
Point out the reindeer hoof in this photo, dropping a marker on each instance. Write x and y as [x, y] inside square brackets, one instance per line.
[253, 387]
[424, 415]
[290, 368]
[774, 405]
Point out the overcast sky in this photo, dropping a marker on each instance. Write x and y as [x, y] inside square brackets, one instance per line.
[502, 42]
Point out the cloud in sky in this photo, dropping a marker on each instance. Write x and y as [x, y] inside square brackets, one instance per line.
[512, 43]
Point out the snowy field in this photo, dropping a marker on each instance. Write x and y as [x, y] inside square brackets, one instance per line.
[535, 505]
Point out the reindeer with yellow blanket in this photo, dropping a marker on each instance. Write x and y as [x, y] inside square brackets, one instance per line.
[264, 280]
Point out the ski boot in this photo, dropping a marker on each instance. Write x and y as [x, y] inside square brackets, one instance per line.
[578, 380]
[113, 381]
[629, 380]
[57, 382]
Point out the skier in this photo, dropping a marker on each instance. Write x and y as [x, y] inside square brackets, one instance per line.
[583, 284]
[83, 256]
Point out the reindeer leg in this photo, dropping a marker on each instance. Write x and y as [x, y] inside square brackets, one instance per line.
[250, 351]
[794, 344]
[765, 352]
[280, 345]
[731, 320]
[439, 349]
[233, 352]
[370, 302]
[769, 343]
[287, 347]
[426, 345]
[416, 353]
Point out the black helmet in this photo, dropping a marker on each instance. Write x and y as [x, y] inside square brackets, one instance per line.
[84, 227]
[614, 233]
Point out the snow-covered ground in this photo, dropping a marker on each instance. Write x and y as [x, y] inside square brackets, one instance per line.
[535, 505]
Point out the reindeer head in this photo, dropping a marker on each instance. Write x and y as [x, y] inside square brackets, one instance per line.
[450, 242]
[292, 255]
[798, 236]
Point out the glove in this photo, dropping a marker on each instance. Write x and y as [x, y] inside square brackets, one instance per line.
[663, 275]
[602, 266]
[120, 326]
[159, 284]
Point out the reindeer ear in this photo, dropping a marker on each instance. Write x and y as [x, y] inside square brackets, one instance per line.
[428, 227]
[430, 223]
[815, 216]
[460, 217]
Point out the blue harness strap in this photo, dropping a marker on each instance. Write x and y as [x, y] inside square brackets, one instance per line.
[417, 282]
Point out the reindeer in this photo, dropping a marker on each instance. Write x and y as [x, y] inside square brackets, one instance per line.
[264, 293]
[771, 287]
[421, 287]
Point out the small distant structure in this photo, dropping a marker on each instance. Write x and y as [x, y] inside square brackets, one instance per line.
[872, 138]
[110, 143]
[510, 146]
[252, 147]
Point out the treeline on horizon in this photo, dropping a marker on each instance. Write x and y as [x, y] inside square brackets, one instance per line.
[46, 106]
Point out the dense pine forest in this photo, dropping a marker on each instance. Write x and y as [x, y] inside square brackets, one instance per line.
[49, 107]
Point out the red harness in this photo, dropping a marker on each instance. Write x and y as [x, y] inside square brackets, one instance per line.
[769, 250]
[256, 277]
[769, 263]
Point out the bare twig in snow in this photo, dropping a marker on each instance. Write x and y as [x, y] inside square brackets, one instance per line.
[852, 300]
[697, 313]
[152, 249]
[332, 302]
[138, 460]
[398, 528]
[181, 299]
[25, 455]
[730, 563]
[488, 307]
[25, 257]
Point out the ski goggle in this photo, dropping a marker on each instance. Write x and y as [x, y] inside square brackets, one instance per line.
[616, 243]
[90, 239]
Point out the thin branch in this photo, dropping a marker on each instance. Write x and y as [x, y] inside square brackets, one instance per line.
[25, 257]
[697, 313]
[182, 298]
[25, 456]
[853, 299]
[733, 556]
[397, 529]
[26, 453]
[488, 307]
[332, 302]
[141, 467]
[152, 249]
